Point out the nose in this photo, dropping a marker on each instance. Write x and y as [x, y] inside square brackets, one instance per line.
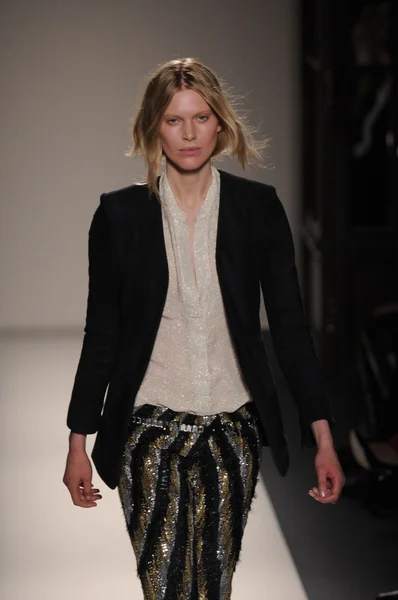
[189, 132]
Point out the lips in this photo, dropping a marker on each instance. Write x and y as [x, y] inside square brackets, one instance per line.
[189, 150]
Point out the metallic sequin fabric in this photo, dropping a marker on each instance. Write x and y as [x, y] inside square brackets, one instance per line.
[186, 498]
[193, 366]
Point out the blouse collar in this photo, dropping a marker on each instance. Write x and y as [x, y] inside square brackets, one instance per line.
[170, 203]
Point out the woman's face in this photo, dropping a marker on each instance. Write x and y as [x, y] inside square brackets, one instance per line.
[188, 122]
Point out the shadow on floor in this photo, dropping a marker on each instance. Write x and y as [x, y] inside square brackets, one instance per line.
[341, 551]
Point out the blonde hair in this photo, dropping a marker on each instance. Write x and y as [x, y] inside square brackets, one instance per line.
[235, 138]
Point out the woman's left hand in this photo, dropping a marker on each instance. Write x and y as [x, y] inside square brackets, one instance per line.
[330, 477]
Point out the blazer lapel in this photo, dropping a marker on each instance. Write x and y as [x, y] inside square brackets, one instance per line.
[234, 260]
[157, 265]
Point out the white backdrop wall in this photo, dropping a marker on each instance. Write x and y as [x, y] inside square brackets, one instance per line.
[72, 74]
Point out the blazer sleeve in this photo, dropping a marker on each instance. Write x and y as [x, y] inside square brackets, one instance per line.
[102, 328]
[287, 320]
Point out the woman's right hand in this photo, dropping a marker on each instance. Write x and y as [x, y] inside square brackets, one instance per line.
[77, 478]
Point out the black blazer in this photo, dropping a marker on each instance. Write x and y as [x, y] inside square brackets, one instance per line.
[128, 281]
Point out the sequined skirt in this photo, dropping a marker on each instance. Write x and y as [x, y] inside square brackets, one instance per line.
[186, 487]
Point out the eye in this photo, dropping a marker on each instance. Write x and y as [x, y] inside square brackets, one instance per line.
[203, 117]
[169, 120]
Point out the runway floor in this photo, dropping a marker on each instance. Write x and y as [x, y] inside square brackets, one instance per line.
[293, 548]
[52, 550]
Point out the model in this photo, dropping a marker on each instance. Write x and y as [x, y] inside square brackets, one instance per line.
[176, 265]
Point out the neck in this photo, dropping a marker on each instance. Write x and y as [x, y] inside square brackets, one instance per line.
[189, 187]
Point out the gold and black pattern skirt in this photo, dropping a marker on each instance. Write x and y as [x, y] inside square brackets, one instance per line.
[186, 486]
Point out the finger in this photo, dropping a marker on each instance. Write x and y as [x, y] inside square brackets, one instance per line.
[93, 491]
[78, 499]
[95, 495]
[313, 494]
[322, 483]
[329, 500]
[328, 488]
[83, 503]
[75, 496]
[87, 488]
[94, 498]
